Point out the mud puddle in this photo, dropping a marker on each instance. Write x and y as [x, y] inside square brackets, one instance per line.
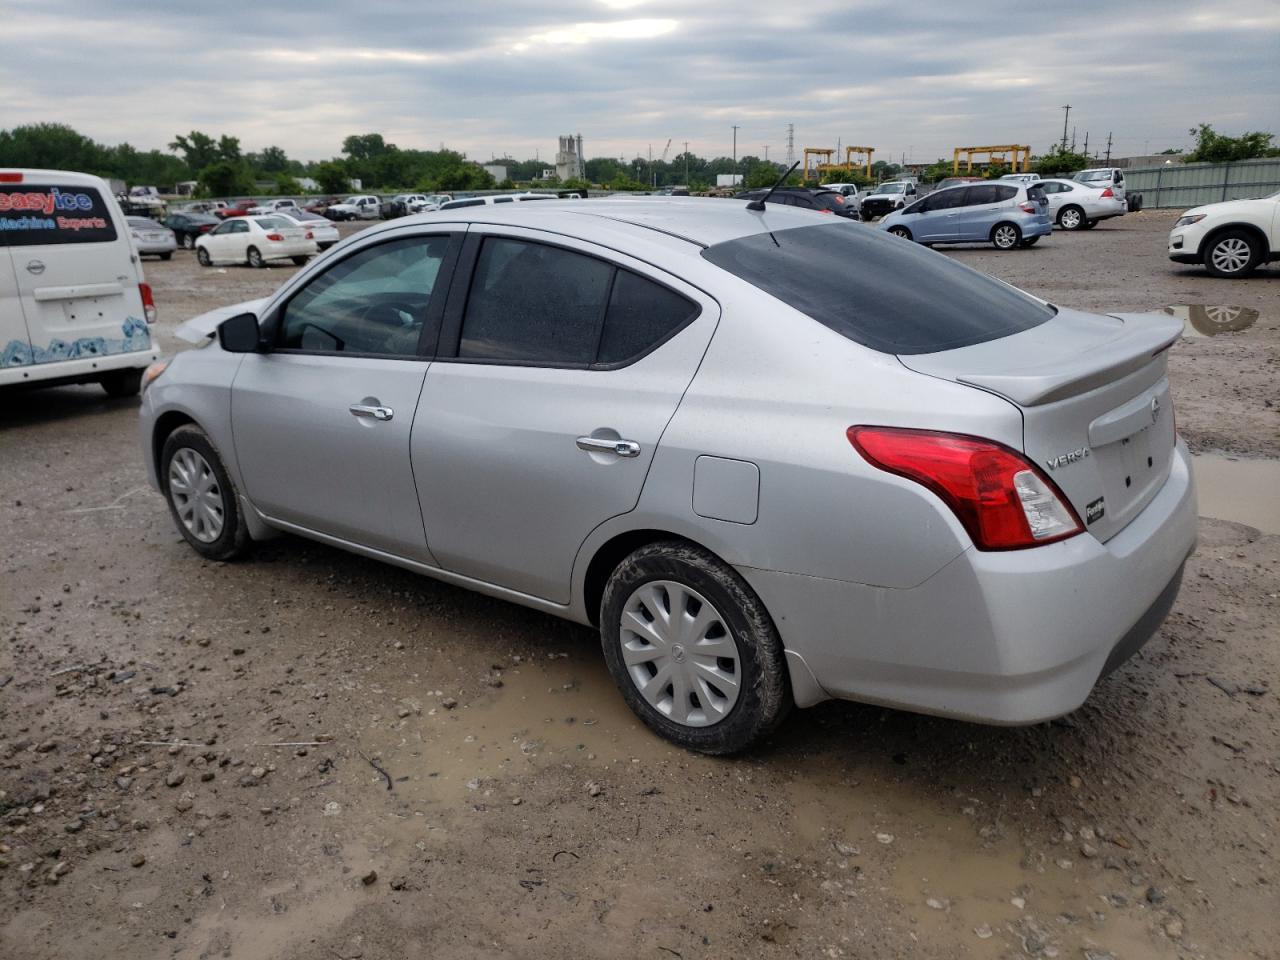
[1243, 491]
[1204, 320]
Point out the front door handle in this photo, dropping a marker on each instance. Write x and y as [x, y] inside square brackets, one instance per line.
[374, 411]
[620, 448]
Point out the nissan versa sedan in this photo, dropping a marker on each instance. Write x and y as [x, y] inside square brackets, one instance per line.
[767, 473]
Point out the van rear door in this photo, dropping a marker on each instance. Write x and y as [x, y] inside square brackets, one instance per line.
[75, 271]
[15, 344]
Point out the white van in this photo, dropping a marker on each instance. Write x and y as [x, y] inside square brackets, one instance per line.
[74, 307]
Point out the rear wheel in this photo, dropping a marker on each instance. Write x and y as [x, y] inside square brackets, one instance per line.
[902, 232]
[189, 241]
[203, 258]
[1070, 218]
[299, 261]
[1231, 254]
[692, 649]
[255, 258]
[1030, 241]
[201, 497]
[122, 383]
[1088, 224]
[1006, 236]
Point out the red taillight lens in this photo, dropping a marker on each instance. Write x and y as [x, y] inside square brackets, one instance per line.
[1107, 192]
[7, 177]
[274, 236]
[148, 302]
[1002, 500]
[206, 227]
[310, 235]
[1027, 207]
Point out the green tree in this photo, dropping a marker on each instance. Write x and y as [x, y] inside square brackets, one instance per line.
[458, 176]
[365, 146]
[1214, 147]
[761, 175]
[507, 184]
[624, 182]
[199, 150]
[272, 160]
[332, 176]
[1058, 162]
[53, 146]
[287, 185]
[224, 178]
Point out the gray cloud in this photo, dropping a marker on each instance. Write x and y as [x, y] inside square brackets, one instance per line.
[507, 78]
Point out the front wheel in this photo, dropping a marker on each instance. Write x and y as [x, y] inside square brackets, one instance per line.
[201, 497]
[255, 258]
[1071, 218]
[203, 258]
[902, 232]
[1006, 236]
[692, 649]
[1232, 254]
[189, 241]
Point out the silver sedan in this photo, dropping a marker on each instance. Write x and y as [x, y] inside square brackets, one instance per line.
[768, 473]
[152, 239]
[1081, 206]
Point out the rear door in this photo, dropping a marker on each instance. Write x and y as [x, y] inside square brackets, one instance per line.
[15, 343]
[559, 370]
[74, 271]
[981, 210]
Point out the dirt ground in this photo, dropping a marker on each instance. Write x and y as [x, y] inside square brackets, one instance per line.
[309, 755]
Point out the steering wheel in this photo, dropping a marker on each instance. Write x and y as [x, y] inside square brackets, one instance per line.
[392, 323]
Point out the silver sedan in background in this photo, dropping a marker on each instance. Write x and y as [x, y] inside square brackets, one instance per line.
[1081, 206]
[728, 436]
[151, 239]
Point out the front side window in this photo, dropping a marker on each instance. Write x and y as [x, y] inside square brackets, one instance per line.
[373, 302]
[946, 200]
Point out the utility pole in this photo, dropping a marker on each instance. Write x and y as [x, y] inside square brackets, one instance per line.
[1086, 143]
[735, 148]
[791, 144]
[653, 174]
[1073, 139]
[686, 163]
[766, 153]
[1108, 148]
[1067, 113]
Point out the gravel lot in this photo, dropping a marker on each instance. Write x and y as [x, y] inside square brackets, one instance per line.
[311, 755]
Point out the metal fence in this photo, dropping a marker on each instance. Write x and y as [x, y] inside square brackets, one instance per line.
[1193, 184]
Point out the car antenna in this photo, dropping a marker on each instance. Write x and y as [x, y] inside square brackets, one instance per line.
[759, 204]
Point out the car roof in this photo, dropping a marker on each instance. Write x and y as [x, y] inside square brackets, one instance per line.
[698, 221]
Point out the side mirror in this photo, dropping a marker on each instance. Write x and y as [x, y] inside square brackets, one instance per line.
[239, 334]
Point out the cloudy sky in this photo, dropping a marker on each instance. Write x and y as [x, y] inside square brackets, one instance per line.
[493, 78]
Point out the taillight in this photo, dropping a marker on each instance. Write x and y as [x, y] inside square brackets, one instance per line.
[148, 302]
[310, 235]
[9, 177]
[274, 236]
[1027, 207]
[1107, 192]
[1002, 500]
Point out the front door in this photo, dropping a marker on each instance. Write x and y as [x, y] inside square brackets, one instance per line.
[557, 374]
[322, 420]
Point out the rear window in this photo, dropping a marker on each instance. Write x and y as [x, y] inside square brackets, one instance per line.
[885, 293]
[31, 215]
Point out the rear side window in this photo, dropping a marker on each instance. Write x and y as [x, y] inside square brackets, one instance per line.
[31, 215]
[850, 280]
[989, 193]
[531, 303]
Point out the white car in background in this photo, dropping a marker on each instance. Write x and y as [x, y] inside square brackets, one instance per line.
[1231, 239]
[363, 207]
[274, 206]
[322, 231]
[255, 240]
[151, 239]
[1079, 206]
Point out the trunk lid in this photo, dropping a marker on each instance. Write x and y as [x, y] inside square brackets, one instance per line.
[1094, 396]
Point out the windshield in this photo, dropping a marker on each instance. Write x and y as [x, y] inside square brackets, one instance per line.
[836, 275]
[891, 188]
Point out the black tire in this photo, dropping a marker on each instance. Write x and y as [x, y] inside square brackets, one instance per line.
[1029, 241]
[203, 258]
[254, 258]
[1071, 217]
[1232, 254]
[902, 232]
[121, 383]
[764, 696]
[188, 241]
[167, 256]
[233, 540]
[1088, 224]
[300, 261]
[1006, 236]
[1134, 202]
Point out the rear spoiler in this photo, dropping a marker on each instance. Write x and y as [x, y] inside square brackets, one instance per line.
[1071, 365]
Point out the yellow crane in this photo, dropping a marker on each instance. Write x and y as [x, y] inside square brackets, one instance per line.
[824, 169]
[994, 154]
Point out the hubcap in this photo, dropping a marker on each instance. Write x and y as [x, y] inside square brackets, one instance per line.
[196, 495]
[1071, 219]
[680, 654]
[1005, 237]
[1231, 255]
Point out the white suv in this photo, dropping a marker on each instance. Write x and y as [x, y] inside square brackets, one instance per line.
[1231, 239]
[73, 304]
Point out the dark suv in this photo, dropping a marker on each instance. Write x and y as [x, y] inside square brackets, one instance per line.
[823, 201]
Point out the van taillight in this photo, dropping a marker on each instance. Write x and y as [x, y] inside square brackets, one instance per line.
[7, 177]
[1107, 192]
[148, 302]
[1002, 500]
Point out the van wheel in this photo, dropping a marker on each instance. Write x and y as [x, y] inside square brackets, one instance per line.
[300, 261]
[1070, 218]
[1231, 254]
[692, 649]
[255, 258]
[201, 497]
[203, 258]
[121, 383]
[902, 232]
[1006, 236]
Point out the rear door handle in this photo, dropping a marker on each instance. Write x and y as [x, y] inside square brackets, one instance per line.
[372, 411]
[620, 448]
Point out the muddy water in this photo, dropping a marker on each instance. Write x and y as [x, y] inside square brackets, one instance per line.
[1244, 491]
[1204, 320]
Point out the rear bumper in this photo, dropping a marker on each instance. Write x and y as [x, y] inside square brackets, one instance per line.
[80, 370]
[1006, 638]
